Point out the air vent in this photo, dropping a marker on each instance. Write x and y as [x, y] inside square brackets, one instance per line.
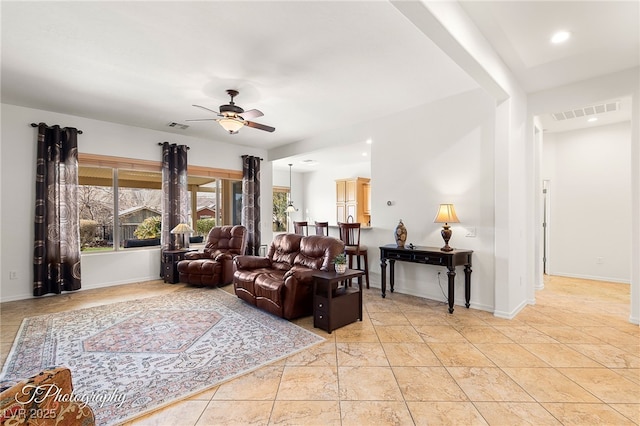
[586, 111]
[178, 125]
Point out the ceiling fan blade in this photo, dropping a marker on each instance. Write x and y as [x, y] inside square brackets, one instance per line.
[252, 113]
[202, 119]
[206, 109]
[259, 126]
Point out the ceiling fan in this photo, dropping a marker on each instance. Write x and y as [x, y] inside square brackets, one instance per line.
[232, 118]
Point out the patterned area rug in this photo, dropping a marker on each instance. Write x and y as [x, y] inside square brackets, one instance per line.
[133, 357]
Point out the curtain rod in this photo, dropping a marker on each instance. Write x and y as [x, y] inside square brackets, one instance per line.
[162, 143]
[35, 125]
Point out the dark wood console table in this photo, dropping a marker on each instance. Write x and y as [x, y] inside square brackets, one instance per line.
[428, 256]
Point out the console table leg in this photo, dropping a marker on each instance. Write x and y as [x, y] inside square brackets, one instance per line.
[392, 274]
[383, 277]
[451, 274]
[467, 284]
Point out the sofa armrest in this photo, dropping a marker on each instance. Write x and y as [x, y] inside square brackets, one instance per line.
[223, 256]
[252, 262]
[301, 274]
[193, 255]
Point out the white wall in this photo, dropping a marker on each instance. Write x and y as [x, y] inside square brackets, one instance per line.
[18, 185]
[440, 152]
[590, 202]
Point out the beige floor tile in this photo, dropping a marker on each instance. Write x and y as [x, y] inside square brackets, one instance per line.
[460, 355]
[410, 354]
[185, 412]
[586, 414]
[439, 334]
[549, 385]
[261, 384]
[356, 332]
[607, 385]
[417, 318]
[205, 395]
[565, 334]
[388, 318]
[323, 354]
[632, 374]
[361, 354]
[308, 383]
[368, 384]
[610, 335]
[463, 316]
[235, 413]
[559, 355]
[380, 305]
[358, 413]
[608, 355]
[398, 334]
[299, 413]
[516, 414]
[510, 355]
[483, 334]
[488, 384]
[428, 384]
[630, 411]
[445, 413]
[524, 334]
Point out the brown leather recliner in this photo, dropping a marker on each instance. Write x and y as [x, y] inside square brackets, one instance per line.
[214, 266]
[282, 282]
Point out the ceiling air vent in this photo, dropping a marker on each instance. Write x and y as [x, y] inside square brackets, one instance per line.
[178, 125]
[586, 111]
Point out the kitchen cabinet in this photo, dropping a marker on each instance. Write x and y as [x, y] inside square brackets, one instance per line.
[353, 200]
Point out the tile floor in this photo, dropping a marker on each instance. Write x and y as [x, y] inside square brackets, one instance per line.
[571, 359]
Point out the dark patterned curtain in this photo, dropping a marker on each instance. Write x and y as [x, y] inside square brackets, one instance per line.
[175, 196]
[56, 254]
[251, 202]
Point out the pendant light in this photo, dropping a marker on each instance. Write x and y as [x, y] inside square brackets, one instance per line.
[290, 207]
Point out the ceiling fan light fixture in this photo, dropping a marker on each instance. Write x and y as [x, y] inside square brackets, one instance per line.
[231, 125]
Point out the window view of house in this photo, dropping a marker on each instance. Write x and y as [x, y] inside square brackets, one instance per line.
[280, 198]
[138, 201]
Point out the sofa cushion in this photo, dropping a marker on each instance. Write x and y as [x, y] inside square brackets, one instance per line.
[283, 251]
[316, 253]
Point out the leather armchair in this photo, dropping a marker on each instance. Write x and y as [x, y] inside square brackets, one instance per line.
[214, 266]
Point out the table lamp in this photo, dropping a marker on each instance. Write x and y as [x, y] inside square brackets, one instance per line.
[446, 214]
[182, 230]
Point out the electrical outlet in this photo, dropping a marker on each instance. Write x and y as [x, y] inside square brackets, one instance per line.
[471, 232]
[13, 275]
[599, 260]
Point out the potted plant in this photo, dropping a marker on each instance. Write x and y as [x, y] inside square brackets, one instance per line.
[340, 263]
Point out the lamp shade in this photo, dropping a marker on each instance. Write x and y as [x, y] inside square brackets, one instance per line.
[231, 125]
[182, 228]
[446, 214]
[290, 208]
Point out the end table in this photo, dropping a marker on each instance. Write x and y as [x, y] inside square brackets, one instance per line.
[335, 302]
[170, 259]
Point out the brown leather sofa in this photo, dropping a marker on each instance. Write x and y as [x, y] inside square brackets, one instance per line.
[214, 266]
[282, 282]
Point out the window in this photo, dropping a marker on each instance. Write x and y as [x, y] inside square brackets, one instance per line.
[280, 201]
[215, 197]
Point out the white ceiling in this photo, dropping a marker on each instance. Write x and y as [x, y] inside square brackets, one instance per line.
[309, 66]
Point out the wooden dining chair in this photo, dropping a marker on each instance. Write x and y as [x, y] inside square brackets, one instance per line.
[350, 236]
[322, 228]
[300, 228]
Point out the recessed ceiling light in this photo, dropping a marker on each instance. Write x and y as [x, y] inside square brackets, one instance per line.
[368, 141]
[560, 37]
[364, 154]
[309, 162]
[592, 119]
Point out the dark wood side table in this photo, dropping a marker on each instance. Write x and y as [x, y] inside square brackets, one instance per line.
[428, 256]
[170, 259]
[335, 302]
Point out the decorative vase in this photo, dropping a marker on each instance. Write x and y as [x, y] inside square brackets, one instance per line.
[400, 234]
[341, 268]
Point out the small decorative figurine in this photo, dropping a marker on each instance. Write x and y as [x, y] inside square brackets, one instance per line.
[400, 234]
